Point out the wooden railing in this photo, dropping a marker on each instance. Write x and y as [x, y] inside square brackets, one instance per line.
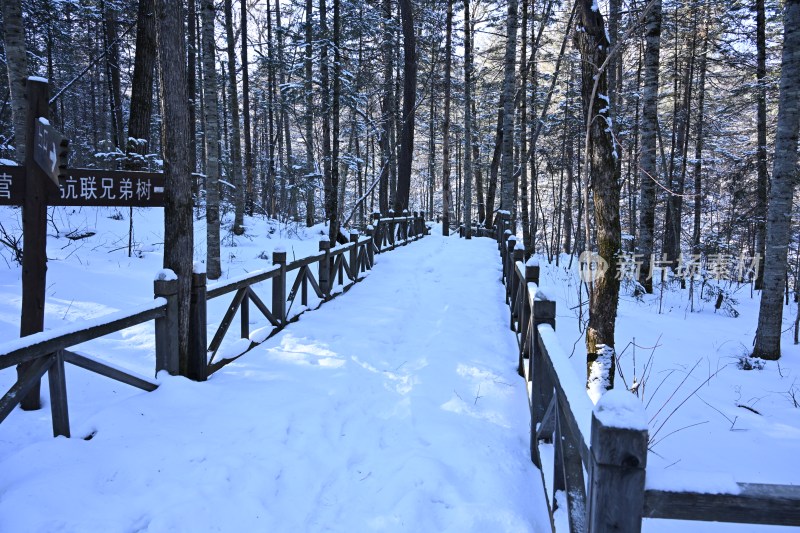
[611, 450]
[46, 353]
[338, 269]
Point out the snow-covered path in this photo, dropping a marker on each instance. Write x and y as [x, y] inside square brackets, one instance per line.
[395, 407]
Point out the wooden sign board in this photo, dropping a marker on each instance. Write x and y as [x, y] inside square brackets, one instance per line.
[90, 187]
[50, 150]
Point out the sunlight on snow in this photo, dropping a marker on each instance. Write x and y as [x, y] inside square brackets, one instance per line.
[305, 352]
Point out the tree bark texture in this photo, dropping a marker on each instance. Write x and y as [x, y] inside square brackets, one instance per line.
[601, 159]
[211, 119]
[178, 220]
[784, 178]
[647, 158]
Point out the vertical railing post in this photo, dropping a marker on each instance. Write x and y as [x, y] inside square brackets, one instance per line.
[618, 457]
[377, 236]
[516, 290]
[525, 314]
[279, 286]
[58, 395]
[354, 267]
[543, 312]
[413, 226]
[244, 315]
[423, 229]
[197, 365]
[509, 265]
[325, 278]
[166, 286]
[371, 246]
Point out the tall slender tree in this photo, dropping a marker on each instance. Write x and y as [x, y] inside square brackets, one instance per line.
[784, 178]
[178, 220]
[404, 159]
[236, 139]
[467, 122]
[601, 159]
[647, 157]
[507, 189]
[211, 120]
[448, 54]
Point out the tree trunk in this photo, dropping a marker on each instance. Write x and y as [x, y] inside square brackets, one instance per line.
[467, 123]
[387, 110]
[112, 72]
[236, 139]
[448, 51]
[142, 86]
[17, 66]
[698, 149]
[211, 119]
[248, 144]
[476, 157]
[507, 189]
[784, 176]
[523, 128]
[309, 125]
[647, 158]
[494, 165]
[330, 190]
[404, 159]
[761, 149]
[601, 158]
[191, 88]
[178, 233]
[333, 208]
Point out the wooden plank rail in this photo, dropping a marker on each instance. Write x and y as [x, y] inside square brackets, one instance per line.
[337, 270]
[47, 352]
[613, 497]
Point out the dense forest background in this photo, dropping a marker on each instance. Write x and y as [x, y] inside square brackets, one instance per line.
[333, 109]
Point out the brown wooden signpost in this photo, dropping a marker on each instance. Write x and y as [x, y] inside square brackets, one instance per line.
[45, 180]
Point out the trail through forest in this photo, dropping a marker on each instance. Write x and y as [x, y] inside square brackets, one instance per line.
[395, 407]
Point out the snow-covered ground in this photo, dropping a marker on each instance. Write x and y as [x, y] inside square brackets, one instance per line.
[395, 407]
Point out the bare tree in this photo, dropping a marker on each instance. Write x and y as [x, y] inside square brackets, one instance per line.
[404, 159]
[211, 119]
[647, 158]
[784, 177]
[448, 53]
[601, 159]
[178, 220]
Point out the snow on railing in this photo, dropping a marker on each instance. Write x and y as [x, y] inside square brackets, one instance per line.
[608, 441]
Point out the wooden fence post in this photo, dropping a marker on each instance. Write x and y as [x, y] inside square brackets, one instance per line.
[543, 312]
[279, 286]
[618, 458]
[34, 232]
[526, 312]
[167, 326]
[325, 278]
[354, 267]
[423, 229]
[244, 315]
[197, 366]
[509, 265]
[371, 246]
[516, 290]
[58, 395]
[377, 235]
